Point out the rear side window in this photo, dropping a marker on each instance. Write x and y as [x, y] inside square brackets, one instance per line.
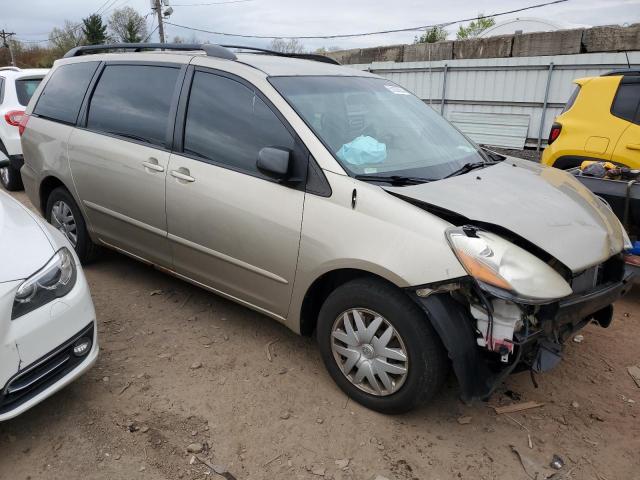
[63, 94]
[625, 103]
[229, 124]
[25, 87]
[1, 89]
[133, 101]
[572, 99]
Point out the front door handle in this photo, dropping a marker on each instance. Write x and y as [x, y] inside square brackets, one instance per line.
[182, 174]
[633, 146]
[152, 164]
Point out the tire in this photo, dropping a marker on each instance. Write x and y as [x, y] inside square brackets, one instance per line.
[84, 247]
[10, 177]
[427, 366]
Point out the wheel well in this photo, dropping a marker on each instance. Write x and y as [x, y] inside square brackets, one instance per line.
[47, 186]
[320, 290]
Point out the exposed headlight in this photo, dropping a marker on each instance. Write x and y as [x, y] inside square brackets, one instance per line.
[52, 281]
[494, 261]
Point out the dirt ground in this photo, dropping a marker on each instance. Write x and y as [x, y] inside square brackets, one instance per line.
[180, 366]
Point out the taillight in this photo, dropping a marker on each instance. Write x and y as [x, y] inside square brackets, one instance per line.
[14, 117]
[23, 123]
[556, 128]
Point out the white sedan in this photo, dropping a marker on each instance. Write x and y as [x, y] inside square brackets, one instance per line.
[47, 319]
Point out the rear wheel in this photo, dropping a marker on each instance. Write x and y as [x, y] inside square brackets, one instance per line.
[379, 346]
[9, 176]
[63, 213]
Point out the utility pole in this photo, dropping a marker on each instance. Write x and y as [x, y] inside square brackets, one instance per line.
[4, 36]
[158, 8]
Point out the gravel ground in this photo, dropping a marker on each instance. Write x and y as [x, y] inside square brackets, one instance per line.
[527, 154]
[184, 369]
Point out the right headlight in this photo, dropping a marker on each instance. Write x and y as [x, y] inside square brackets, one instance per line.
[496, 262]
[52, 281]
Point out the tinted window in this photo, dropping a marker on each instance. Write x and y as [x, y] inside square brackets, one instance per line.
[133, 101]
[1, 89]
[63, 93]
[572, 99]
[626, 101]
[228, 124]
[25, 88]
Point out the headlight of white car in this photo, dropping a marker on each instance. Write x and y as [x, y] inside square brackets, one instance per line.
[52, 281]
[496, 262]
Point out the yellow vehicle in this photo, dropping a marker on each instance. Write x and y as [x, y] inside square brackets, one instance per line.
[600, 121]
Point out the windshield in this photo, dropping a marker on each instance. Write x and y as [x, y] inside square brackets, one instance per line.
[372, 126]
[25, 87]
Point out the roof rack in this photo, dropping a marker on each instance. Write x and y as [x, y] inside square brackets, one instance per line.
[210, 49]
[218, 51]
[13, 69]
[625, 72]
[306, 56]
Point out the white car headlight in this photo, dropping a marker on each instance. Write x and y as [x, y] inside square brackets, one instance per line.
[52, 281]
[494, 261]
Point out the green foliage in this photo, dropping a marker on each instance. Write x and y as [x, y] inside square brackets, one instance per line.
[475, 27]
[433, 35]
[94, 31]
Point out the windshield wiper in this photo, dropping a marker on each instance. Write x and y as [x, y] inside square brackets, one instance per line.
[467, 167]
[397, 180]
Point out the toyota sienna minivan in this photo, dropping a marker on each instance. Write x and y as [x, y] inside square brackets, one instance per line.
[331, 200]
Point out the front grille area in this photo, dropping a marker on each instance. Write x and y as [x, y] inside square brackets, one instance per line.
[43, 373]
[609, 271]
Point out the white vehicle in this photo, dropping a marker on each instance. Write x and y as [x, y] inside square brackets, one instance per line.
[47, 319]
[16, 88]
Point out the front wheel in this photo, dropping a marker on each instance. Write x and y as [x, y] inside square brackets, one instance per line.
[379, 346]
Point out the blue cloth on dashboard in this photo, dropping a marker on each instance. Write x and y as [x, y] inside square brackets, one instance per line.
[363, 150]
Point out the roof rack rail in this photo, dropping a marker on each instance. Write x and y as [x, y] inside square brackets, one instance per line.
[631, 72]
[13, 69]
[306, 56]
[210, 49]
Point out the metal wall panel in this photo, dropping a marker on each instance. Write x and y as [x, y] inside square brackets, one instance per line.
[501, 85]
[499, 129]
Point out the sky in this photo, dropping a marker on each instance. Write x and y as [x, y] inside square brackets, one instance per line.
[33, 19]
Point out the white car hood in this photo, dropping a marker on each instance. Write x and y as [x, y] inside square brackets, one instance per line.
[544, 205]
[25, 245]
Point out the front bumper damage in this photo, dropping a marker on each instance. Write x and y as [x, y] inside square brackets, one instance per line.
[537, 343]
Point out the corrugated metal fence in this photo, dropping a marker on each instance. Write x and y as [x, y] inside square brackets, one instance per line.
[537, 87]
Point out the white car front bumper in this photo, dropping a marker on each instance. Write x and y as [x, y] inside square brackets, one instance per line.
[42, 343]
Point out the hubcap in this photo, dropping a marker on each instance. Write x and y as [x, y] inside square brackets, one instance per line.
[4, 175]
[62, 219]
[369, 351]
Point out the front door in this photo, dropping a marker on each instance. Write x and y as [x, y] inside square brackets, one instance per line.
[626, 106]
[230, 227]
[119, 159]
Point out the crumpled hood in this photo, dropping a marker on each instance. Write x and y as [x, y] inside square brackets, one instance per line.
[544, 205]
[24, 244]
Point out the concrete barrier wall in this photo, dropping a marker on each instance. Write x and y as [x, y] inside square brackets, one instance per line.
[561, 42]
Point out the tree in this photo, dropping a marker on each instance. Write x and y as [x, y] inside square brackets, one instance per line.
[433, 35]
[94, 31]
[128, 26]
[475, 28]
[292, 45]
[64, 39]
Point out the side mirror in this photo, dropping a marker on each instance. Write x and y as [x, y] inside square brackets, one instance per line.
[275, 162]
[4, 161]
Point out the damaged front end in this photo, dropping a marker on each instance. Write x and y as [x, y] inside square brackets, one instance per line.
[514, 311]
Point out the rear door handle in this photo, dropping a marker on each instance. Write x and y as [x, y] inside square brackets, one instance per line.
[182, 174]
[152, 164]
[633, 146]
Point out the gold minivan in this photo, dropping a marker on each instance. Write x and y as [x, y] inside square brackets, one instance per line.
[329, 199]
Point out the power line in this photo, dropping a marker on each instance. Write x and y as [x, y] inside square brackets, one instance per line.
[381, 32]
